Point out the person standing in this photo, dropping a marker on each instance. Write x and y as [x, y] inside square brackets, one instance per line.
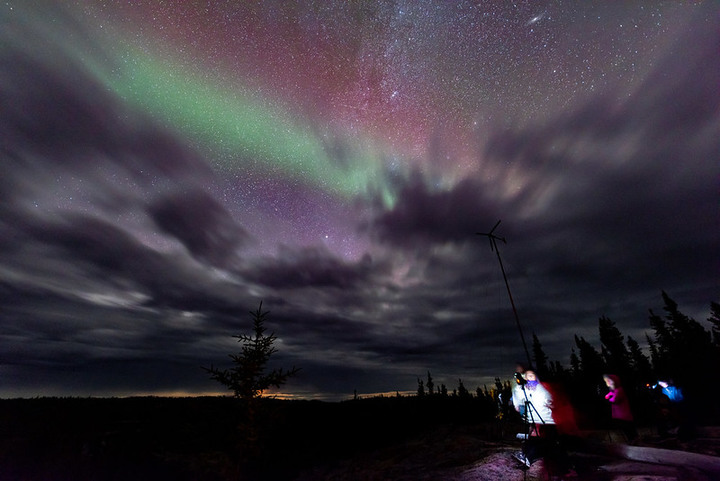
[533, 400]
[621, 413]
[674, 416]
[537, 402]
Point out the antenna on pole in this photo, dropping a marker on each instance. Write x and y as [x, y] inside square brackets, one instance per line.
[493, 246]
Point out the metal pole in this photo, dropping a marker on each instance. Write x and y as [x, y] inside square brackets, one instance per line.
[493, 246]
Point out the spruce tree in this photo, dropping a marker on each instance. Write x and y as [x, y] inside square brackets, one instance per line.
[541, 359]
[688, 349]
[615, 354]
[714, 319]
[592, 365]
[639, 362]
[248, 379]
[574, 363]
[462, 390]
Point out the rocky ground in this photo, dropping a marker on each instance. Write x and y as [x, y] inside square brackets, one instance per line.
[460, 453]
[443, 454]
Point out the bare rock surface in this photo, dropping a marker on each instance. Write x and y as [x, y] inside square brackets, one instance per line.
[461, 454]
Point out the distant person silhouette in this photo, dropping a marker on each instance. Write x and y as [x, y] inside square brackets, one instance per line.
[622, 416]
[673, 415]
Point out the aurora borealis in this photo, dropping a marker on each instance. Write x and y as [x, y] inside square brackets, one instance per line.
[168, 165]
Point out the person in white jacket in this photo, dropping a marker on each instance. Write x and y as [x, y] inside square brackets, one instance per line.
[534, 402]
[538, 400]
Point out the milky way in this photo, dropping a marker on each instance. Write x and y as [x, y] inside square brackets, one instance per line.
[167, 166]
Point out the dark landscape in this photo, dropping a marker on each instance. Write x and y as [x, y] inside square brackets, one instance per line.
[153, 438]
[200, 438]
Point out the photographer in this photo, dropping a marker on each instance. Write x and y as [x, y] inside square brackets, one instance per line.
[534, 402]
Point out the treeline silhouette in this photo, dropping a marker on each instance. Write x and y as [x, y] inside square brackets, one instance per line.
[678, 349]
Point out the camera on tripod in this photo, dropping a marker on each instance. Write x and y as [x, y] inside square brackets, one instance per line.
[520, 379]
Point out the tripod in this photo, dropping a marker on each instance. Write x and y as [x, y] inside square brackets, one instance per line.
[531, 417]
[545, 444]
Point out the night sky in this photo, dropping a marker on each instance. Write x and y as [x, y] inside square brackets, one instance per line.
[167, 166]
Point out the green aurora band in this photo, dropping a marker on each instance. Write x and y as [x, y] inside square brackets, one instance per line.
[235, 125]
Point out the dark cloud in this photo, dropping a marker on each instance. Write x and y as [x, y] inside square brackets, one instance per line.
[202, 224]
[615, 181]
[308, 267]
[421, 215]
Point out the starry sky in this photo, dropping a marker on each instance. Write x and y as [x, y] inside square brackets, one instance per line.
[167, 166]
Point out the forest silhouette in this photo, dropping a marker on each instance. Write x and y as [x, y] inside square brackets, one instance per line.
[680, 349]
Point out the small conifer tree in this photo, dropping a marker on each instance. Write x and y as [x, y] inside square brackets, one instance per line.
[248, 379]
